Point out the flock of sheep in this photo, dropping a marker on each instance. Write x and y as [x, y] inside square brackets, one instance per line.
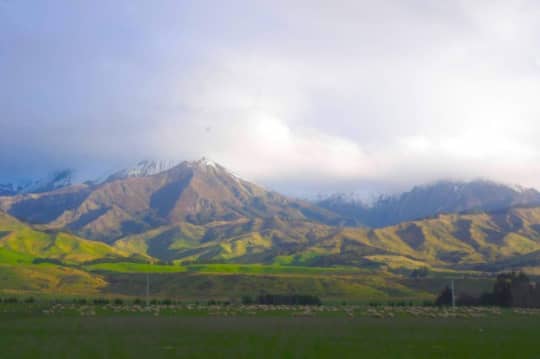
[295, 311]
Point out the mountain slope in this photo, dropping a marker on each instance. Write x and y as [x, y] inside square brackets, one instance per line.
[430, 200]
[20, 243]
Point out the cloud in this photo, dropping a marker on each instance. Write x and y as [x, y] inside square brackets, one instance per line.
[301, 96]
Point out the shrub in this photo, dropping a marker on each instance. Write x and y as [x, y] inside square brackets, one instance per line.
[288, 299]
[101, 301]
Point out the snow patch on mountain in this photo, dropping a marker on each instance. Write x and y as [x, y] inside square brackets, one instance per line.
[143, 169]
[361, 198]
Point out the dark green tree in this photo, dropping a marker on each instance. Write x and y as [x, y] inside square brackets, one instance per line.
[444, 298]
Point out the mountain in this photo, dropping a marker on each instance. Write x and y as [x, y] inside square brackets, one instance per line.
[197, 215]
[197, 192]
[200, 212]
[54, 181]
[429, 200]
[480, 241]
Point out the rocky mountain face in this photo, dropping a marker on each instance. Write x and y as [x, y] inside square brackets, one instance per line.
[196, 192]
[429, 200]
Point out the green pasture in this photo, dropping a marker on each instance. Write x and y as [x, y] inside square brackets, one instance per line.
[28, 333]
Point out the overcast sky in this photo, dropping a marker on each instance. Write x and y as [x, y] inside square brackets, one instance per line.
[301, 96]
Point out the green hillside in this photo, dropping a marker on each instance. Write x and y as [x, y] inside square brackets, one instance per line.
[19, 243]
[446, 241]
[22, 248]
[48, 280]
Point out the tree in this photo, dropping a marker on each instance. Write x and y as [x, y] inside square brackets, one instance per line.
[502, 290]
[444, 298]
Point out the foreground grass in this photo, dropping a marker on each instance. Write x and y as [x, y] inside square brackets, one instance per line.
[113, 335]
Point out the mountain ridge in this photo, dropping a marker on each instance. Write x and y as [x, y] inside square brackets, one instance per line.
[432, 199]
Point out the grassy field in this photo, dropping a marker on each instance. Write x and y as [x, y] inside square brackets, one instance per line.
[221, 268]
[232, 286]
[231, 281]
[226, 281]
[126, 267]
[208, 332]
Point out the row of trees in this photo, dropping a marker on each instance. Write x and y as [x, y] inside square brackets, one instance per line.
[510, 290]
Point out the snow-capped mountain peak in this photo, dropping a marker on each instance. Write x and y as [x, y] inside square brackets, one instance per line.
[54, 181]
[207, 162]
[143, 169]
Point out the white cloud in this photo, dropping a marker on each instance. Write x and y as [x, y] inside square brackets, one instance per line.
[294, 94]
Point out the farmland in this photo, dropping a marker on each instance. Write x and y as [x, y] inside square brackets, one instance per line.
[226, 281]
[30, 330]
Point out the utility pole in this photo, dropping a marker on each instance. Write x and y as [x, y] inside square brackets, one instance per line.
[148, 285]
[453, 296]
